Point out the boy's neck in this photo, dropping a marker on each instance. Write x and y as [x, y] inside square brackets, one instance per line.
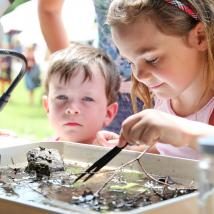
[88, 141]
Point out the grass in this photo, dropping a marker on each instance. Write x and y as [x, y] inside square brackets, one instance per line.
[22, 118]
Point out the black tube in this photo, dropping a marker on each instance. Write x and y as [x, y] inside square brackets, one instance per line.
[6, 95]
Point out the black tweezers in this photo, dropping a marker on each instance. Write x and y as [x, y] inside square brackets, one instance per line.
[95, 167]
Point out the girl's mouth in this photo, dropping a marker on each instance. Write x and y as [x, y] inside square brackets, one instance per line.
[155, 86]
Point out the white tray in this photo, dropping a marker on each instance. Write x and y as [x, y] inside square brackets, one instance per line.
[182, 170]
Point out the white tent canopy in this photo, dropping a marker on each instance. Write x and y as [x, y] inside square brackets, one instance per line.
[79, 21]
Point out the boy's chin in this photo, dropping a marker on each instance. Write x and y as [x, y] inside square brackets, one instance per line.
[78, 140]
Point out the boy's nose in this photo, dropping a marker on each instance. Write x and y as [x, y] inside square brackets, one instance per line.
[72, 111]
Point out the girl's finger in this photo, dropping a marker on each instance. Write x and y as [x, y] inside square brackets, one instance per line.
[150, 135]
[122, 141]
[127, 127]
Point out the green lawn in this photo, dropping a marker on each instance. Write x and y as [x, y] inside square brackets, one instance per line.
[26, 120]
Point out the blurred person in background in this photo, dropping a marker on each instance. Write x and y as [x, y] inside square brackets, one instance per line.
[32, 76]
[5, 7]
[5, 72]
[9, 41]
[53, 29]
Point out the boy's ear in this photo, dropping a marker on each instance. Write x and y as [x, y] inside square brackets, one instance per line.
[45, 103]
[110, 113]
[197, 37]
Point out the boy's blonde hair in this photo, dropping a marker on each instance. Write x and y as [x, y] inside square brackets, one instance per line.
[169, 20]
[79, 57]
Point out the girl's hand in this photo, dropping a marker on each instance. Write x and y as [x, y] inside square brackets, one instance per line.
[149, 126]
[106, 138]
[141, 128]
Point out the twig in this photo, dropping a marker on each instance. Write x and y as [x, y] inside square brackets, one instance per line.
[128, 163]
[150, 176]
[12, 161]
[37, 191]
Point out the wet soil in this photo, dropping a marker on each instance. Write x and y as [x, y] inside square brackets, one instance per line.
[127, 191]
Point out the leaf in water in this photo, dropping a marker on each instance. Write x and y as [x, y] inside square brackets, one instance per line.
[74, 170]
[124, 187]
[133, 176]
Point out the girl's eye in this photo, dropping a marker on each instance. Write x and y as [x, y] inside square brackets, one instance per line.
[130, 63]
[61, 97]
[152, 61]
[88, 99]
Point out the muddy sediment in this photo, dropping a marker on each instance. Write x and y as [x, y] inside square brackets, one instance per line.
[127, 191]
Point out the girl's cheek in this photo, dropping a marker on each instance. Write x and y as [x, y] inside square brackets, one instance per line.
[163, 75]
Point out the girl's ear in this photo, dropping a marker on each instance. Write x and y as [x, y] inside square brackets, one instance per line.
[45, 103]
[110, 113]
[197, 37]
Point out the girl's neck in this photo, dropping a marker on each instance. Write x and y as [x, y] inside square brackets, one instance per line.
[190, 104]
[195, 96]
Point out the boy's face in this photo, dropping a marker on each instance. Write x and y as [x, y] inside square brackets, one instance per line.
[170, 66]
[77, 110]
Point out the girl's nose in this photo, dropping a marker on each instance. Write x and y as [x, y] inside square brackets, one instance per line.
[142, 74]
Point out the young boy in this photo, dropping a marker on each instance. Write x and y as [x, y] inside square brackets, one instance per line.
[81, 88]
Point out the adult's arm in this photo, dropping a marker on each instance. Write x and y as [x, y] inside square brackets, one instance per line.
[51, 23]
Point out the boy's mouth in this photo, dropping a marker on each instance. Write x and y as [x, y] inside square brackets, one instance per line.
[72, 124]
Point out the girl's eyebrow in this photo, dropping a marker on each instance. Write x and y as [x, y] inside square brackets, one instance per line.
[145, 50]
[141, 51]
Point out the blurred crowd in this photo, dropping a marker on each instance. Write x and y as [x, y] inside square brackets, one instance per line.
[32, 78]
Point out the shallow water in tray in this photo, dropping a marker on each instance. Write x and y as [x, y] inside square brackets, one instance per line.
[128, 190]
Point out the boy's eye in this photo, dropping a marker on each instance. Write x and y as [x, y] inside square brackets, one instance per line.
[88, 99]
[61, 97]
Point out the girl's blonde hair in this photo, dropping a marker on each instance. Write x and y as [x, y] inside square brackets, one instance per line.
[170, 20]
[79, 58]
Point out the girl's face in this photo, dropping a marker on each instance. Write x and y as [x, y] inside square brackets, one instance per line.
[167, 65]
[77, 110]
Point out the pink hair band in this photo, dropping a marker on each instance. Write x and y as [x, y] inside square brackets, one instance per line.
[183, 7]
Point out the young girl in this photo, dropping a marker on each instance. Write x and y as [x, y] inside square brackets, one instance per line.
[170, 47]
